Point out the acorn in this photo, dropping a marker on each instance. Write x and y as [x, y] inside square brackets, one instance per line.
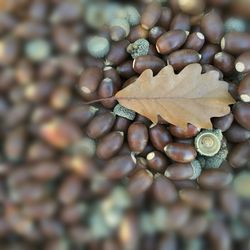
[121, 111]
[119, 29]
[98, 46]
[192, 7]
[235, 24]
[139, 48]
[132, 16]
[208, 142]
[37, 50]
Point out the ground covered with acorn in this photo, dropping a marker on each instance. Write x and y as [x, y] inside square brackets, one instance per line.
[100, 176]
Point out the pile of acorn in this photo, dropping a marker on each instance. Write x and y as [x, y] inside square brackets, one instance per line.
[100, 176]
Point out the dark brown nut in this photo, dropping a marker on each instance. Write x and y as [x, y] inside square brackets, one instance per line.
[41, 210]
[241, 112]
[236, 133]
[107, 89]
[223, 123]
[236, 43]
[239, 156]
[72, 213]
[197, 199]
[142, 63]
[233, 90]
[31, 29]
[66, 40]
[14, 144]
[240, 8]
[179, 171]
[157, 161]
[212, 27]
[110, 72]
[242, 63]
[219, 236]
[121, 124]
[70, 189]
[159, 136]
[224, 62]
[184, 133]
[109, 145]
[59, 133]
[100, 125]
[38, 11]
[136, 33]
[155, 33]
[171, 41]
[30, 192]
[120, 166]
[192, 7]
[180, 22]
[229, 202]
[179, 213]
[181, 58]
[39, 92]
[9, 50]
[208, 67]
[214, 179]
[126, 69]
[7, 79]
[51, 228]
[140, 182]
[42, 114]
[207, 53]
[119, 29]
[166, 17]
[219, 3]
[195, 226]
[179, 152]
[17, 114]
[90, 80]
[195, 41]
[150, 15]
[60, 98]
[82, 115]
[189, 141]
[137, 137]
[164, 190]
[118, 53]
[45, 170]
[143, 119]
[244, 89]
[66, 12]
[38, 151]
[89, 61]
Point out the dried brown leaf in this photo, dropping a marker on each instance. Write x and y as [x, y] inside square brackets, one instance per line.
[187, 97]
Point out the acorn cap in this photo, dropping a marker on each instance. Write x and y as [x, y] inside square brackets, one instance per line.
[208, 142]
[124, 112]
[133, 15]
[241, 184]
[98, 46]
[196, 169]
[139, 48]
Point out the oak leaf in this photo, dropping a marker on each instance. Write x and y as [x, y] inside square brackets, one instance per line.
[187, 97]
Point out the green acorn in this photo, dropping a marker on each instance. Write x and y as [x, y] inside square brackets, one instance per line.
[133, 15]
